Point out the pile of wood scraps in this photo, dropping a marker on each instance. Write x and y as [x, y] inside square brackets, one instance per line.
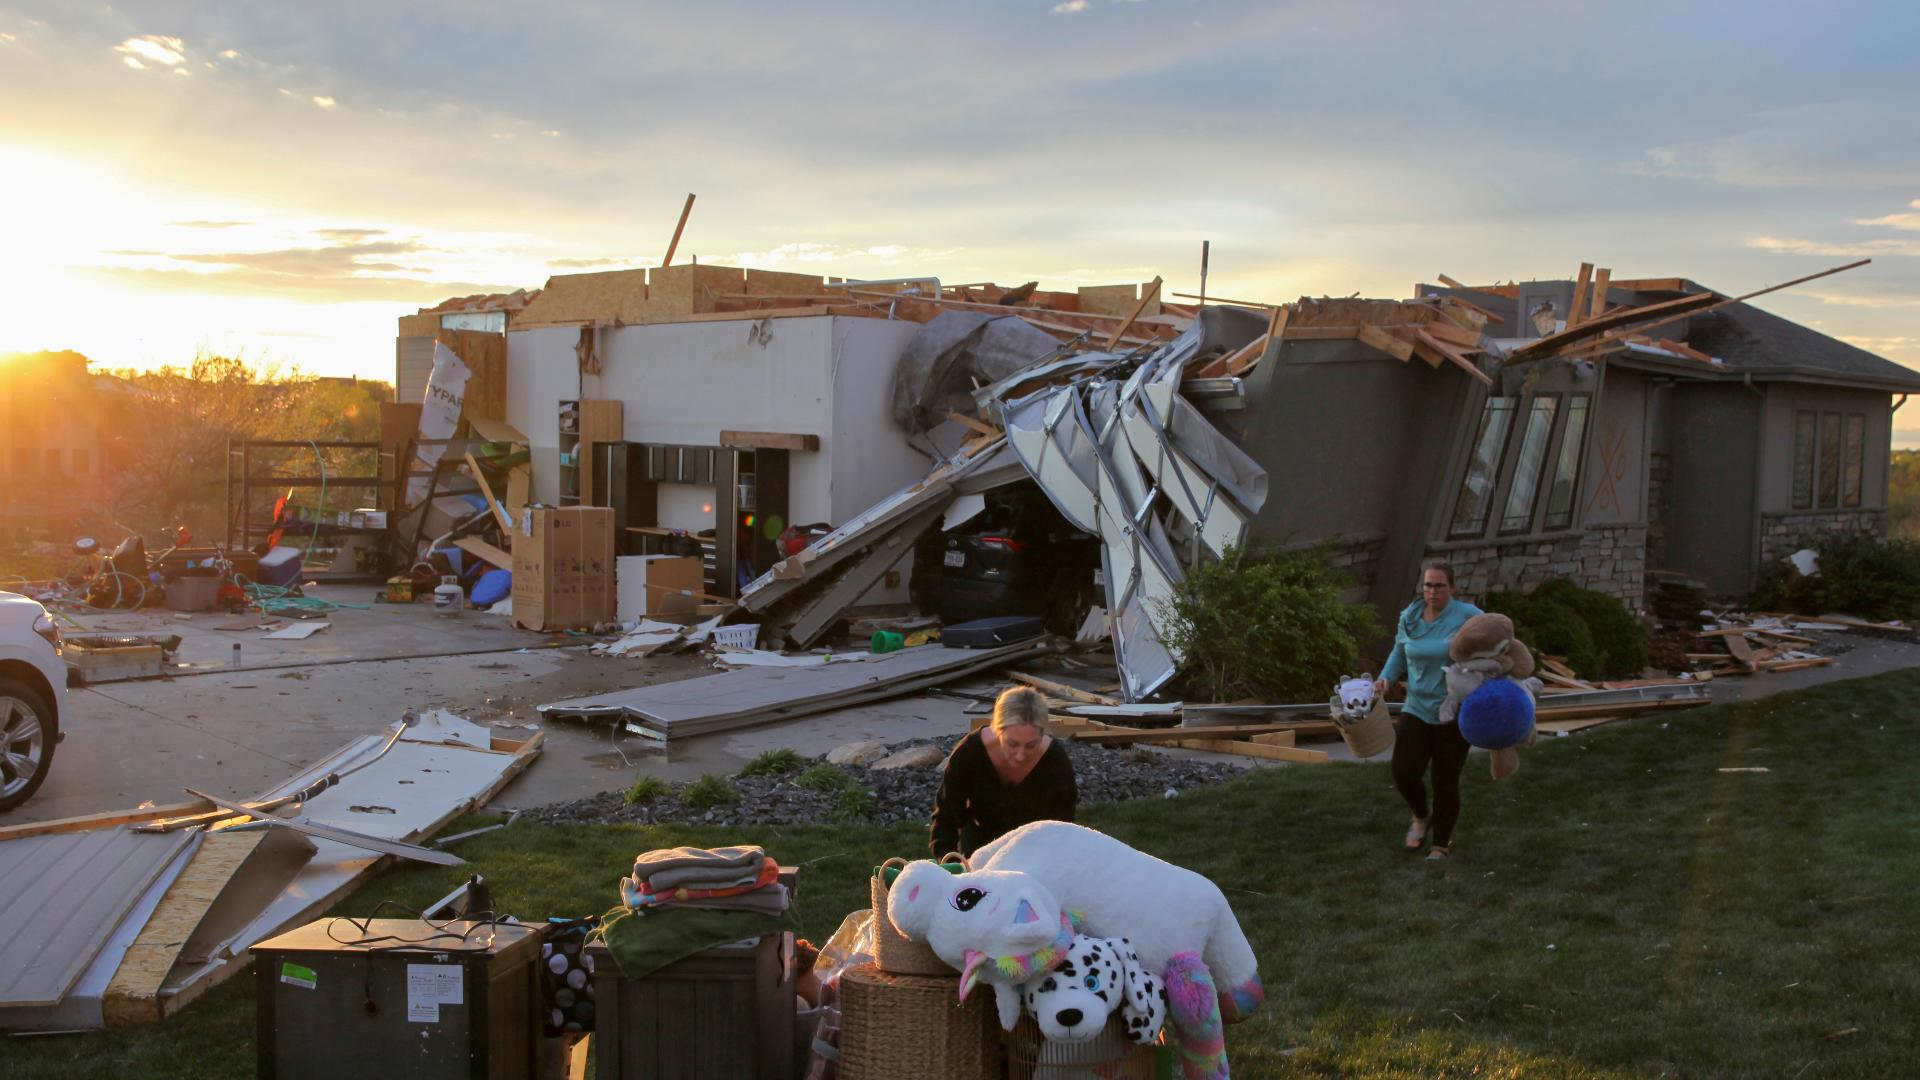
[1746, 649]
[1437, 330]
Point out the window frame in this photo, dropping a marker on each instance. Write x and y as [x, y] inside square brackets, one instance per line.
[1532, 510]
[1806, 426]
[1827, 485]
[1583, 400]
[1494, 486]
[1853, 459]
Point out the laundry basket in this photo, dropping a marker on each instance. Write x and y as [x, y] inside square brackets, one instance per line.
[1368, 735]
[892, 951]
[898, 1026]
[737, 636]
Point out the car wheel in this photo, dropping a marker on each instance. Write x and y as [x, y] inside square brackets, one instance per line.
[28, 733]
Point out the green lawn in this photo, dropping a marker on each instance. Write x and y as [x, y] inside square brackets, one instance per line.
[1621, 908]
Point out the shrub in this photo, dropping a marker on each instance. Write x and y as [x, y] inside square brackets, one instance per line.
[774, 763]
[823, 777]
[647, 789]
[709, 791]
[856, 804]
[1265, 623]
[1860, 574]
[1593, 632]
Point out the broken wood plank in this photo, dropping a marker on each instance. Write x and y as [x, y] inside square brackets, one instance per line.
[1558, 667]
[1598, 307]
[1738, 648]
[1581, 712]
[1276, 738]
[1061, 690]
[1115, 733]
[133, 995]
[106, 819]
[979, 426]
[1450, 283]
[485, 552]
[1258, 750]
[1577, 311]
[1554, 679]
[770, 440]
[1397, 347]
[1797, 665]
[1453, 355]
[1147, 296]
[673, 245]
[486, 492]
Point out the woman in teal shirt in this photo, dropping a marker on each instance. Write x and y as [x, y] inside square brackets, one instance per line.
[1419, 656]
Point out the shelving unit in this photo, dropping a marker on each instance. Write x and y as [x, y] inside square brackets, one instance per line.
[583, 424]
[250, 476]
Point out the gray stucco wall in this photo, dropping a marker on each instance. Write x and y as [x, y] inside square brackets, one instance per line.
[1713, 434]
[1356, 444]
[1613, 478]
[1776, 458]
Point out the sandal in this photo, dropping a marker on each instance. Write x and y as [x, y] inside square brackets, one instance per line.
[1439, 854]
[1416, 834]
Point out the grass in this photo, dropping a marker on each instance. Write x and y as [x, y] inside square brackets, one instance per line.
[855, 804]
[1622, 908]
[647, 789]
[775, 763]
[709, 791]
[823, 777]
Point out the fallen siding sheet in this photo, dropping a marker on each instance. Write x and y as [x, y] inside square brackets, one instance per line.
[62, 896]
[761, 695]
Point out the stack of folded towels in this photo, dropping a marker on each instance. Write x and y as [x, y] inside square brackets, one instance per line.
[717, 879]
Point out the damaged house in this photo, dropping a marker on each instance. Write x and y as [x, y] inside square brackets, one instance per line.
[1597, 430]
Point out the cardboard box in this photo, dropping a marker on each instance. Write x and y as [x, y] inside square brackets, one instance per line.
[652, 585]
[563, 568]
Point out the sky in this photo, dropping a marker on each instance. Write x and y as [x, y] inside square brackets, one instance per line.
[283, 180]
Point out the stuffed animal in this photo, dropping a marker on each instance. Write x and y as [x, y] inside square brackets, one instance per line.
[1491, 668]
[1354, 697]
[1072, 1002]
[995, 926]
[1168, 914]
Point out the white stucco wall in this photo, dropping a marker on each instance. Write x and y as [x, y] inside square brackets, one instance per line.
[542, 371]
[873, 458]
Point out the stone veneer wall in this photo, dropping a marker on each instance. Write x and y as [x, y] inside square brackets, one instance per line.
[1360, 558]
[1606, 558]
[1783, 533]
[1659, 480]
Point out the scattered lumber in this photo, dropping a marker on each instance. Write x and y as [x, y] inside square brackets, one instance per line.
[1061, 690]
[1258, 750]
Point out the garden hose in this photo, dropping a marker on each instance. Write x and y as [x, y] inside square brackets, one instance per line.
[281, 600]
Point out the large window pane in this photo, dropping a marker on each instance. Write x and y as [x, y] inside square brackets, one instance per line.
[1526, 472]
[1804, 424]
[1856, 451]
[1566, 469]
[1475, 502]
[1830, 459]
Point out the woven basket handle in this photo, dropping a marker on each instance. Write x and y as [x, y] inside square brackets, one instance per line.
[952, 856]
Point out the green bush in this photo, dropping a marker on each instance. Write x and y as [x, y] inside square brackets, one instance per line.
[1860, 574]
[647, 789]
[823, 777]
[709, 791]
[856, 804]
[774, 763]
[1265, 623]
[1593, 632]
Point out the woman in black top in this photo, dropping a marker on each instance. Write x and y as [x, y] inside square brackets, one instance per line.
[1001, 777]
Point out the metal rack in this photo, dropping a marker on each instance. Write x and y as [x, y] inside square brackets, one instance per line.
[244, 482]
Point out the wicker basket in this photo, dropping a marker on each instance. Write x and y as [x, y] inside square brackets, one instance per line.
[1368, 735]
[891, 949]
[895, 1027]
[1110, 1055]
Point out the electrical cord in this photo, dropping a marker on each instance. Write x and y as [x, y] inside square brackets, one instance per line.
[372, 942]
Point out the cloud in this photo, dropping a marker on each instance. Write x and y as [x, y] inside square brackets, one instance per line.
[210, 224]
[338, 260]
[1837, 144]
[154, 48]
[7, 39]
[1071, 7]
[808, 252]
[1840, 249]
[229, 54]
[1871, 302]
[582, 264]
[323, 102]
[349, 234]
[1904, 222]
[254, 283]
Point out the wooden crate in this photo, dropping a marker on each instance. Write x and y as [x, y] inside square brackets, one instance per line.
[728, 1011]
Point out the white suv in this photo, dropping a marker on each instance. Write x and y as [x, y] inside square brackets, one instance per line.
[33, 693]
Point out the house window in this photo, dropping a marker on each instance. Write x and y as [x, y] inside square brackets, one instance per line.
[1803, 443]
[1518, 514]
[1856, 452]
[1566, 469]
[1476, 490]
[1830, 459]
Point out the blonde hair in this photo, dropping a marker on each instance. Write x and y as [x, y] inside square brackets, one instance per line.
[1019, 706]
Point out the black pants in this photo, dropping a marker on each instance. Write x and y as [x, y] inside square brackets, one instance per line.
[1415, 743]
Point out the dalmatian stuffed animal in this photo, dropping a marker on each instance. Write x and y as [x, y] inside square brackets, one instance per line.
[1176, 920]
[1072, 1002]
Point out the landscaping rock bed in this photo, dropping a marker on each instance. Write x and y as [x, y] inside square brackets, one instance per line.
[1102, 774]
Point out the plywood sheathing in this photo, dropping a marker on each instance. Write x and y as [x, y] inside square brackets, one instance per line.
[424, 324]
[485, 355]
[1114, 300]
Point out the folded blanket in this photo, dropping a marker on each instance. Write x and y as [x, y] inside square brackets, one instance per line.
[768, 900]
[701, 877]
[743, 857]
[639, 894]
[644, 942]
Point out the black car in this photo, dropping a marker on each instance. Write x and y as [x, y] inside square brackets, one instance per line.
[1016, 557]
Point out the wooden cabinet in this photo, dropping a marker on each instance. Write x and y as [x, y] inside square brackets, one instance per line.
[582, 424]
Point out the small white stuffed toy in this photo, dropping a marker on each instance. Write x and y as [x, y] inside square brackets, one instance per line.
[1072, 1002]
[1354, 697]
[993, 926]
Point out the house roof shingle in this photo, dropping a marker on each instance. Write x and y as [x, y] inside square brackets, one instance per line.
[1752, 340]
